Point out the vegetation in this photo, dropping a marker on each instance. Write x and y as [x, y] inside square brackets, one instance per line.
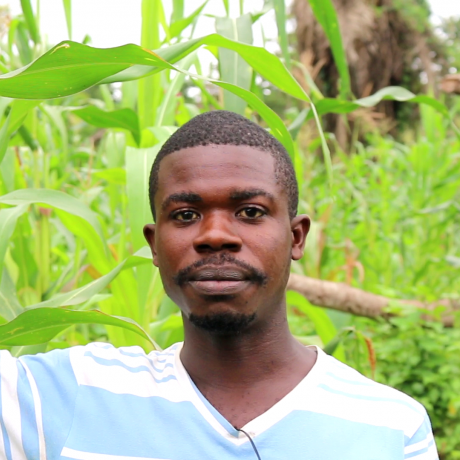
[75, 153]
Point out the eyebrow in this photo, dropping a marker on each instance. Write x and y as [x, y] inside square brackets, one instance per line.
[247, 194]
[181, 197]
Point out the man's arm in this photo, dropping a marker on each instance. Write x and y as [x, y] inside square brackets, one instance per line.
[37, 395]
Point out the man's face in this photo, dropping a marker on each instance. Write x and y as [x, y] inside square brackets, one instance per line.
[223, 239]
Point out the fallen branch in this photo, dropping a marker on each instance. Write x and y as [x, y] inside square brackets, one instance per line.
[341, 297]
[451, 84]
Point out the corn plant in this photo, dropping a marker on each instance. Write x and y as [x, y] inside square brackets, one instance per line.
[75, 165]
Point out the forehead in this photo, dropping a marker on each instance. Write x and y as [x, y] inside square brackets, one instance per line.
[217, 168]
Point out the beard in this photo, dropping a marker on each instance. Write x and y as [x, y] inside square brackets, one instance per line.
[223, 324]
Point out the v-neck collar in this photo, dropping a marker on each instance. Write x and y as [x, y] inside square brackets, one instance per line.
[304, 389]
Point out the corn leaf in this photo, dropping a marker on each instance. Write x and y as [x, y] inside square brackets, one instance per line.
[233, 68]
[280, 13]
[85, 293]
[122, 118]
[71, 67]
[323, 325]
[9, 304]
[326, 15]
[30, 20]
[182, 23]
[67, 4]
[41, 325]
[8, 219]
[395, 93]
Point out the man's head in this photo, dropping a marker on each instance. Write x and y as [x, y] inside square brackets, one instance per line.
[227, 128]
[224, 197]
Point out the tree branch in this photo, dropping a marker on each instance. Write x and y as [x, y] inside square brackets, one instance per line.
[341, 297]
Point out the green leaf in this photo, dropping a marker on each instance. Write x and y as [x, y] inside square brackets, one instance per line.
[22, 43]
[75, 215]
[150, 90]
[280, 13]
[276, 124]
[323, 325]
[122, 118]
[112, 175]
[395, 93]
[178, 11]
[19, 110]
[326, 15]
[233, 68]
[80, 295]
[226, 6]
[4, 137]
[85, 293]
[55, 199]
[138, 165]
[67, 4]
[9, 304]
[182, 23]
[262, 61]
[42, 324]
[30, 20]
[8, 219]
[167, 108]
[71, 67]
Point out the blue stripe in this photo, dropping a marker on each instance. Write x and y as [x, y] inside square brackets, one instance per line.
[57, 389]
[177, 431]
[134, 370]
[421, 451]
[368, 398]
[132, 355]
[28, 418]
[6, 439]
[353, 382]
[104, 347]
[143, 355]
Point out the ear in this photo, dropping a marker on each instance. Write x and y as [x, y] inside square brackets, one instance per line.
[149, 234]
[300, 226]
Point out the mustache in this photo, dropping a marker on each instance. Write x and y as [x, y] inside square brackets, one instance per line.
[254, 274]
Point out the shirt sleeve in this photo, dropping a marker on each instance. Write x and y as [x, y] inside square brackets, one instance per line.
[421, 446]
[37, 395]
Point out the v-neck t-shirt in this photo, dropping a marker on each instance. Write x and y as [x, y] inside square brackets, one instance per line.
[97, 402]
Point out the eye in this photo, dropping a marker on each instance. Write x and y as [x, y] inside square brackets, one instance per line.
[186, 216]
[251, 213]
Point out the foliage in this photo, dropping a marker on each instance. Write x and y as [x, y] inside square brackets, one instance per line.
[422, 359]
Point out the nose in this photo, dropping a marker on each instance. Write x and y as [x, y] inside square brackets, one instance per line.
[217, 233]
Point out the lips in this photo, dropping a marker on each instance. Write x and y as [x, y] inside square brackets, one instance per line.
[219, 280]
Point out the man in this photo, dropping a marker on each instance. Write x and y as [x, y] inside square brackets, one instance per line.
[224, 199]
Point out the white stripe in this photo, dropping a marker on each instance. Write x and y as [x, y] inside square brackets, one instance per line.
[38, 413]
[419, 445]
[10, 405]
[80, 455]
[119, 380]
[430, 454]
[377, 413]
[2, 443]
[133, 361]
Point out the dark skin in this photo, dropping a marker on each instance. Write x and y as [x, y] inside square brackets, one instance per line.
[215, 200]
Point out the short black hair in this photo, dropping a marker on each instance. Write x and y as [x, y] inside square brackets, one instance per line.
[221, 127]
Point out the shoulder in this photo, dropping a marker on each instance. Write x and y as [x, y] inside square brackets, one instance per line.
[123, 370]
[358, 398]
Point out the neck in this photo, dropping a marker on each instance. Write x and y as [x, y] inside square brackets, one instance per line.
[261, 353]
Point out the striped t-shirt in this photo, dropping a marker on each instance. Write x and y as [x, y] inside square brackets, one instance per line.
[97, 402]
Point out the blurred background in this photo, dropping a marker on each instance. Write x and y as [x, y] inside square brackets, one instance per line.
[378, 171]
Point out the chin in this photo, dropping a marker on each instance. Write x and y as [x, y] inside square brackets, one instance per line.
[223, 323]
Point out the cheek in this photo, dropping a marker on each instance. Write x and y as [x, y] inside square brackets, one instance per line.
[273, 250]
